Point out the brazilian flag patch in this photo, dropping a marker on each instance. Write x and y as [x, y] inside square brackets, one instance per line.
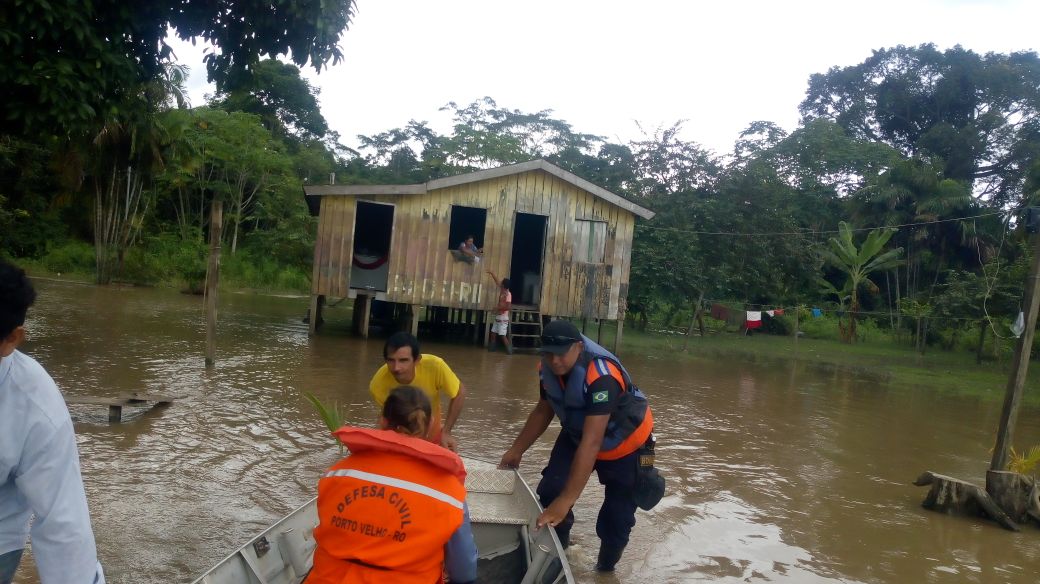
[599, 397]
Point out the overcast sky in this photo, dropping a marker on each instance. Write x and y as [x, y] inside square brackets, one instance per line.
[604, 65]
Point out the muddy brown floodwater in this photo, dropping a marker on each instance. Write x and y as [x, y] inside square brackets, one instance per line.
[776, 473]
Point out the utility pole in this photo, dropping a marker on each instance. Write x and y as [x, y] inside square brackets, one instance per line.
[1020, 362]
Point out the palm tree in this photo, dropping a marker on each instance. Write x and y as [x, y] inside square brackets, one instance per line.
[859, 262]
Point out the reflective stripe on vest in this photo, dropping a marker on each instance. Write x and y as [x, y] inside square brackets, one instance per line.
[395, 482]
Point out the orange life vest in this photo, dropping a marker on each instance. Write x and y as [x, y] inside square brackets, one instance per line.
[386, 510]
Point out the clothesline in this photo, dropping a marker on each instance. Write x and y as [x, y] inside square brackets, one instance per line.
[813, 231]
[821, 311]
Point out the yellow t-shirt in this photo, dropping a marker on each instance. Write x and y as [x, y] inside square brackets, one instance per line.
[432, 375]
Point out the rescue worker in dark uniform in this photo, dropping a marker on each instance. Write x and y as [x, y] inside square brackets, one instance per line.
[394, 509]
[605, 421]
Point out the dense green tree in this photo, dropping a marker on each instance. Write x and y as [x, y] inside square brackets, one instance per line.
[914, 191]
[978, 114]
[286, 102]
[70, 63]
[486, 135]
[665, 163]
[120, 160]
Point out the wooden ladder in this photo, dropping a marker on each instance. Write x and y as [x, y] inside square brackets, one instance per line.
[526, 323]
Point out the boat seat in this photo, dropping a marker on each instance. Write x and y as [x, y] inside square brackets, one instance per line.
[490, 480]
[485, 486]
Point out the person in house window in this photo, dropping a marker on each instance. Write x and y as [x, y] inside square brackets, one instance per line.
[469, 251]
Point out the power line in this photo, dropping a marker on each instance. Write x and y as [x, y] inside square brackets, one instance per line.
[813, 231]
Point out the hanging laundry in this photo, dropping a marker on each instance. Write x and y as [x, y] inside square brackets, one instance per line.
[1019, 326]
[754, 319]
[778, 312]
[719, 312]
[817, 313]
[771, 313]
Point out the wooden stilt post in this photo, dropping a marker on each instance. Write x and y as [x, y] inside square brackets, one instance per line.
[413, 324]
[599, 331]
[487, 328]
[621, 309]
[366, 314]
[216, 221]
[1019, 366]
[312, 321]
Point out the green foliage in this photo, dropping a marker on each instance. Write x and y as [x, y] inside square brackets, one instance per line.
[261, 272]
[286, 102]
[70, 63]
[857, 263]
[977, 114]
[330, 413]
[1027, 464]
[73, 257]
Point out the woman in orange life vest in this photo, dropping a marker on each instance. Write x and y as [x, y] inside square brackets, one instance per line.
[394, 509]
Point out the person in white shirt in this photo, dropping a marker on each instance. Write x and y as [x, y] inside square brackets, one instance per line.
[500, 328]
[39, 462]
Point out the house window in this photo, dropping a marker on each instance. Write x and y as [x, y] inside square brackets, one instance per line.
[590, 242]
[466, 222]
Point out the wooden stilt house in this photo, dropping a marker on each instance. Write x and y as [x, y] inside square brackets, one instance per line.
[564, 243]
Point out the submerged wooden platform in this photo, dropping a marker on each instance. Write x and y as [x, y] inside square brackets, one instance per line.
[116, 404]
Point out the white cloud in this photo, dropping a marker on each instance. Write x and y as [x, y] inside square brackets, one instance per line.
[602, 65]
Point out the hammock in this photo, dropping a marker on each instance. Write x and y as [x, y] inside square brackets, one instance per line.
[379, 261]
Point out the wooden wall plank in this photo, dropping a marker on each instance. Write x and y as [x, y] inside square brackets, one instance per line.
[347, 247]
[430, 211]
[335, 245]
[625, 230]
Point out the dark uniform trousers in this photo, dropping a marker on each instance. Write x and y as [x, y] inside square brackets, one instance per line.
[617, 516]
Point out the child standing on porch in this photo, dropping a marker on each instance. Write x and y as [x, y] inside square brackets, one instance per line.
[501, 326]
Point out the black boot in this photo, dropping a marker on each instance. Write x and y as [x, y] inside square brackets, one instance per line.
[608, 557]
[564, 537]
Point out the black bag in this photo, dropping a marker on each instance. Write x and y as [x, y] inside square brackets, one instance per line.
[649, 488]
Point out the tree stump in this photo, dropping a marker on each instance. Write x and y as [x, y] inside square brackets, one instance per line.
[1015, 493]
[951, 495]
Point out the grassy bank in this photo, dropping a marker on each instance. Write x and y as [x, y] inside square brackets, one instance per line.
[895, 365]
[172, 264]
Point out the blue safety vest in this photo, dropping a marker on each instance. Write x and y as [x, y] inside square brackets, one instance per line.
[569, 402]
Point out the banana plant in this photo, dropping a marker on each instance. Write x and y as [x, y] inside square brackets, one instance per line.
[858, 263]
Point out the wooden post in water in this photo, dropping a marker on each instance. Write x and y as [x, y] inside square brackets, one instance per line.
[216, 220]
[1019, 366]
[797, 309]
[622, 307]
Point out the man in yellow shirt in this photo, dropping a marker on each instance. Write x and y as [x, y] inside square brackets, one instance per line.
[405, 365]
